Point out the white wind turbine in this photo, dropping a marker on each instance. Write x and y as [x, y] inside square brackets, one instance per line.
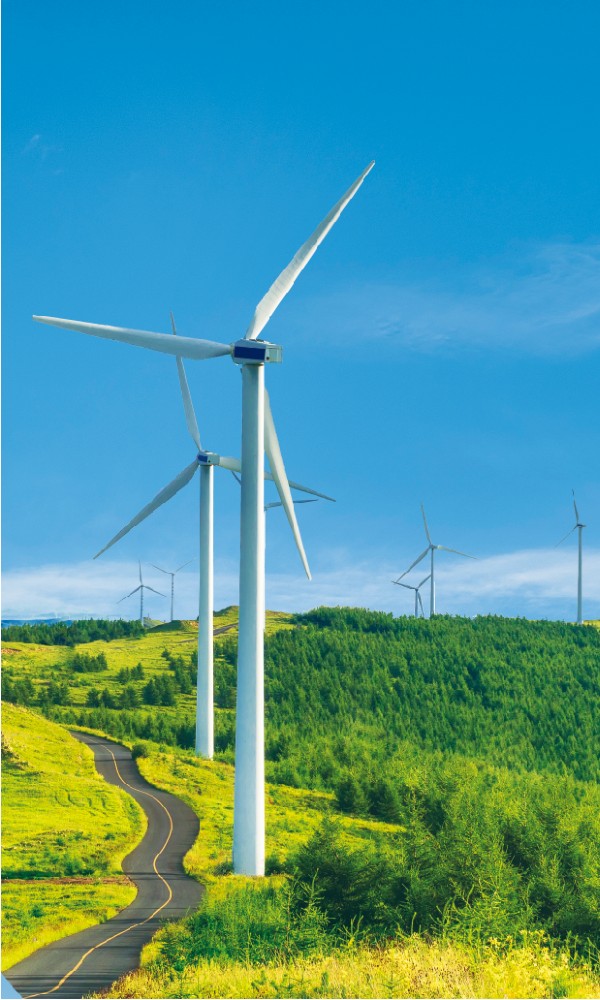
[432, 549]
[578, 526]
[258, 435]
[142, 587]
[172, 574]
[418, 599]
[204, 461]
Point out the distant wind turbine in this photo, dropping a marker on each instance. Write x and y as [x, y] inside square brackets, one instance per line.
[578, 526]
[172, 574]
[418, 600]
[143, 586]
[432, 549]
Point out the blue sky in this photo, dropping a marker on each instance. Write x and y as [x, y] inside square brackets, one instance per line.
[442, 346]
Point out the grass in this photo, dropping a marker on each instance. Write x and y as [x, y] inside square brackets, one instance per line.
[37, 912]
[412, 968]
[408, 966]
[64, 833]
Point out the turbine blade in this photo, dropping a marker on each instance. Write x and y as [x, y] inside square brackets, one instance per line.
[415, 563]
[407, 586]
[283, 487]
[566, 536]
[420, 600]
[165, 494]
[281, 286]
[188, 406]
[424, 580]
[146, 587]
[237, 477]
[575, 506]
[425, 523]
[159, 568]
[188, 563]
[455, 551]
[306, 489]
[278, 503]
[185, 347]
[129, 595]
[140, 569]
[234, 465]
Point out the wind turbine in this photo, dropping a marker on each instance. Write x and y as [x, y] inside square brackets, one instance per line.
[432, 549]
[278, 503]
[258, 435]
[172, 575]
[142, 586]
[204, 461]
[579, 527]
[418, 600]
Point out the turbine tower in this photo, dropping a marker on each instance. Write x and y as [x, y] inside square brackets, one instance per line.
[418, 599]
[578, 526]
[142, 586]
[204, 461]
[431, 548]
[258, 435]
[172, 574]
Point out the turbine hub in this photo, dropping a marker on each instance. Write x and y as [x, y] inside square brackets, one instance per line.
[256, 352]
[207, 458]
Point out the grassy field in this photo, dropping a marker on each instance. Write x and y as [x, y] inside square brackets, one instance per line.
[409, 966]
[64, 834]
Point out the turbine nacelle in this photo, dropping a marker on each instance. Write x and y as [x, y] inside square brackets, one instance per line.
[256, 352]
[208, 458]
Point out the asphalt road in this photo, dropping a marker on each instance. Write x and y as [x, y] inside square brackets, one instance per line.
[91, 960]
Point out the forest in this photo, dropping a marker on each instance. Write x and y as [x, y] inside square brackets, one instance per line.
[72, 633]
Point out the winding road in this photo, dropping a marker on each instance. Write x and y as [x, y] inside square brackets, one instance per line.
[91, 960]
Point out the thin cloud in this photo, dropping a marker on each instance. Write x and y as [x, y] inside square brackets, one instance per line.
[534, 583]
[542, 301]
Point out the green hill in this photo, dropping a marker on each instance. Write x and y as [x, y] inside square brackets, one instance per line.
[513, 692]
[457, 759]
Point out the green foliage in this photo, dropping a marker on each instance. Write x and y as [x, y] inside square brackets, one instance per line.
[18, 690]
[129, 697]
[58, 693]
[259, 924]
[518, 693]
[127, 674]
[160, 690]
[483, 851]
[81, 663]
[63, 634]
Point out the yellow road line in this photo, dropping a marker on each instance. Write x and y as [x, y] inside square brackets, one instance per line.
[139, 923]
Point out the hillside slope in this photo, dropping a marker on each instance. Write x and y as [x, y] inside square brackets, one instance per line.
[64, 834]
